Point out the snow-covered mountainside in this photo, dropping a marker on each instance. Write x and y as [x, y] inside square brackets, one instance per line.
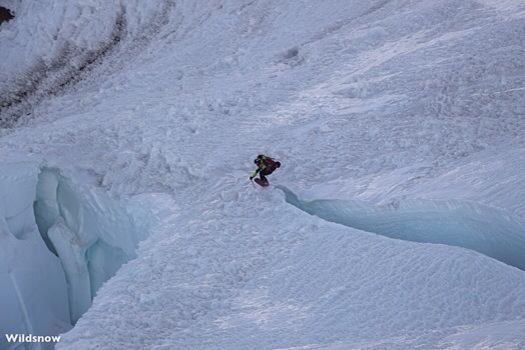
[127, 137]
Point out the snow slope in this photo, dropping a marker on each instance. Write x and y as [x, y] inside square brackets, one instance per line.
[412, 111]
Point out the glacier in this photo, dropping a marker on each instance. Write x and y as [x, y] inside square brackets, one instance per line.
[127, 136]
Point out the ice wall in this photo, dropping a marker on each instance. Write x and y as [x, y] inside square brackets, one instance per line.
[462, 224]
[92, 234]
[33, 297]
[59, 242]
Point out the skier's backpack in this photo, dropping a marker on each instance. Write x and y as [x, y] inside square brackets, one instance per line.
[271, 164]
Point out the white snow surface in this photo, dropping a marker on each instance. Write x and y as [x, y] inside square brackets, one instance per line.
[395, 222]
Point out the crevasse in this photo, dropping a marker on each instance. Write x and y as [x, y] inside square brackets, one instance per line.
[91, 234]
[59, 242]
[457, 223]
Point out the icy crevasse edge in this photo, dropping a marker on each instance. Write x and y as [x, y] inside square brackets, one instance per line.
[457, 223]
[59, 242]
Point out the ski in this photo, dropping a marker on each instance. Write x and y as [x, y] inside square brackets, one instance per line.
[261, 182]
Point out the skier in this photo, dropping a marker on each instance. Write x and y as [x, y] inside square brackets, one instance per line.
[265, 166]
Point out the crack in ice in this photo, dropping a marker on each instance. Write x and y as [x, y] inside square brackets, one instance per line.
[457, 223]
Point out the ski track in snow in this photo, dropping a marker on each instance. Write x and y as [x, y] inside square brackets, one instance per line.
[381, 102]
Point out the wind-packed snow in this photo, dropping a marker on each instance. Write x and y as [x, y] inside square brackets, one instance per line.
[399, 126]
